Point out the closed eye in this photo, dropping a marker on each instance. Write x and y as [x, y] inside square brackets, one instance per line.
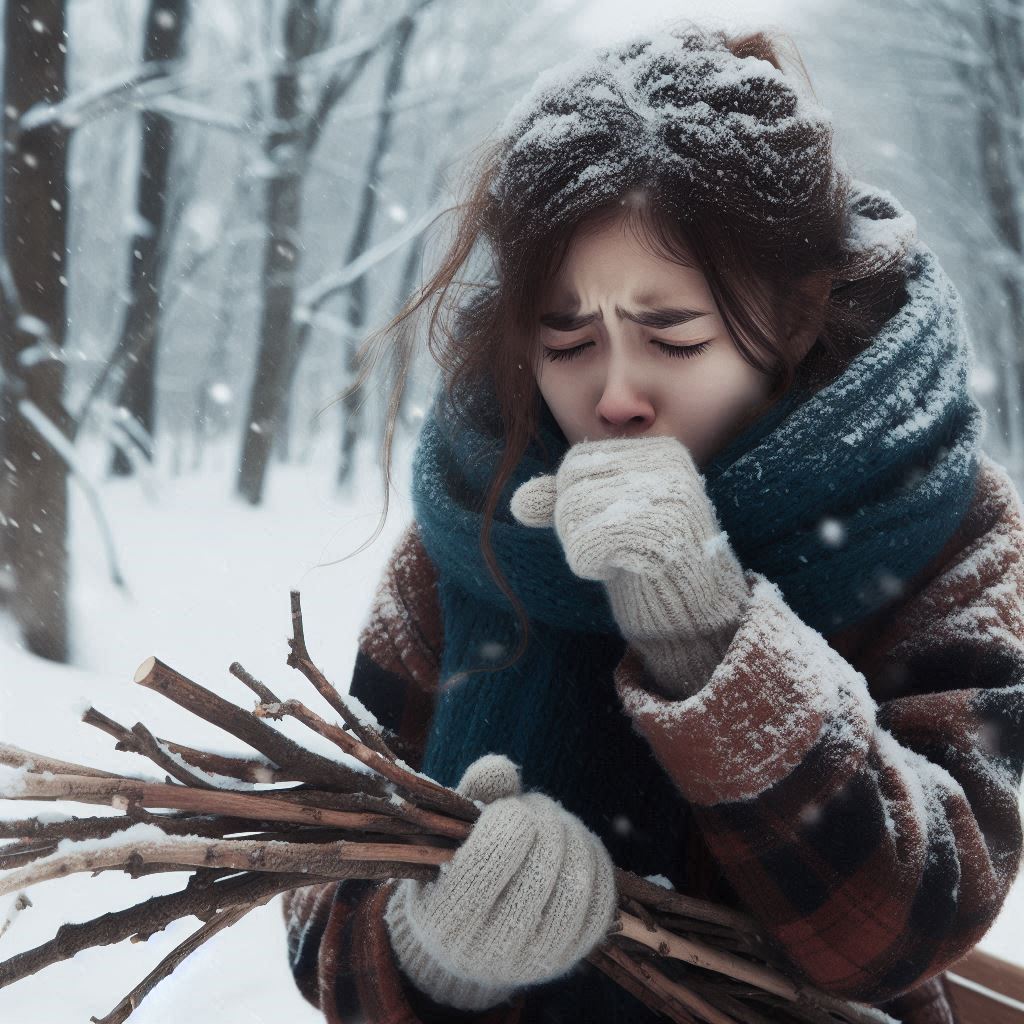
[676, 351]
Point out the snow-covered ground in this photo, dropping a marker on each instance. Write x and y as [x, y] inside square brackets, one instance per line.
[208, 582]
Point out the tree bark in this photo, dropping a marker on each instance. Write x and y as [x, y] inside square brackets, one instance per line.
[356, 297]
[33, 476]
[166, 23]
[284, 149]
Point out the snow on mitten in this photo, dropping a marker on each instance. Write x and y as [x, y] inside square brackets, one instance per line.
[528, 894]
[634, 514]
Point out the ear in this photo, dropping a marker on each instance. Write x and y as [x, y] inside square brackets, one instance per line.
[814, 290]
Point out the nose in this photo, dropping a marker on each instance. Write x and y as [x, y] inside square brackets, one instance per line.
[623, 405]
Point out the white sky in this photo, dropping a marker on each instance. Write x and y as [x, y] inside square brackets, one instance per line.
[606, 20]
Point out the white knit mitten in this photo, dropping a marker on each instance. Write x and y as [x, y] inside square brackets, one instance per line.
[634, 514]
[528, 894]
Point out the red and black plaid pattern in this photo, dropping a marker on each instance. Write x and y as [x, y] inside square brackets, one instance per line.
[859, 794]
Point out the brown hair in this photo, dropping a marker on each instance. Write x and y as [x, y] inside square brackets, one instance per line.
[764, 217]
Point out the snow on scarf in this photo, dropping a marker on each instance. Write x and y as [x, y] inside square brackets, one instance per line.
[835, 496]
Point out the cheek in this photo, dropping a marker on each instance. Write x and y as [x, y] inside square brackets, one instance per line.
[727, 378]
[567, 401]
[709, 393]
[558, 391]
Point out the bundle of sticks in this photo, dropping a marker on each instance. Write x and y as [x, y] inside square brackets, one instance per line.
[365, 816]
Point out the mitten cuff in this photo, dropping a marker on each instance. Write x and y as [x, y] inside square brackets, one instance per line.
[427, 972]
[683, 618]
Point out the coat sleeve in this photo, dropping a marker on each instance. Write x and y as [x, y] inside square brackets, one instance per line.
[874, 840]
[338, 946]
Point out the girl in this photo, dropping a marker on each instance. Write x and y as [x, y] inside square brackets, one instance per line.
[708, 578]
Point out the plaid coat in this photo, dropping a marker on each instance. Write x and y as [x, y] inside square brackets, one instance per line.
[873, 869]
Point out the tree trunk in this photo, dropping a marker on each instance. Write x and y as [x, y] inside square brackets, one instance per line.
[284, 149]
[33, 477]
[165, 32]
[356, 300]
[1001, 158]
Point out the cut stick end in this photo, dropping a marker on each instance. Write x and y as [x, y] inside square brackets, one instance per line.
[143, 671]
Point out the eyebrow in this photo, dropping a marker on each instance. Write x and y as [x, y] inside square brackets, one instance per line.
[666, 316]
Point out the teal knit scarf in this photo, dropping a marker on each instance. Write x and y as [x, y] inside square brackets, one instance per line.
[836, 496]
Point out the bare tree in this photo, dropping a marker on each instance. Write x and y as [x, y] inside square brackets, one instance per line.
[212, 395]
[464, 47]
[33, 473]
[286, 154]
[166, 23]
[356, 296]
[289, 148]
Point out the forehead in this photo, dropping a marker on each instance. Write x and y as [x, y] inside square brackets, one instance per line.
[617, 253]
[596, 276]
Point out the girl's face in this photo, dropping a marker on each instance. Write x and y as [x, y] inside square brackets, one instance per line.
[630, 344]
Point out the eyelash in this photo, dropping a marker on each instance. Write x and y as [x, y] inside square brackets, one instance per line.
[676, 351]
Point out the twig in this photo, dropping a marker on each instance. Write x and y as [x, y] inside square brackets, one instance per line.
[667, 900]
[155, 675]
[16, 757]
[198, 898]
[299, 658]
[245, 769]
[414, 785]
[31, 786]
[252, 682]
[722, 1000]
[149, 746]
[691, 960]
[342, 859]
[222, 920]
[621, 968]
[770, 980]
[702, 955]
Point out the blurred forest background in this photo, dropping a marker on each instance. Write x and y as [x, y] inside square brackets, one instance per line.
[210, 204]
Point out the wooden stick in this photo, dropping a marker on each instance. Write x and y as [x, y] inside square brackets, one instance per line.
[665, 943]
[314, 768]
[405, 813]
[119, 791]
[694, 1002]
[340, 823]
[426, 790]
[251, 681]
[341, 859]
[714, 993]
[149, 746]
[299, 658]
[16, 757]
[244, 769]
[623, 970]
[671, 1005]
[415, 786]
[99, 827]
[222, 920]
[668, 900]
[700, 954]
[198, 898]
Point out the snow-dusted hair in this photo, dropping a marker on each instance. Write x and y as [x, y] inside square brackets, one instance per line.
[720, 159]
